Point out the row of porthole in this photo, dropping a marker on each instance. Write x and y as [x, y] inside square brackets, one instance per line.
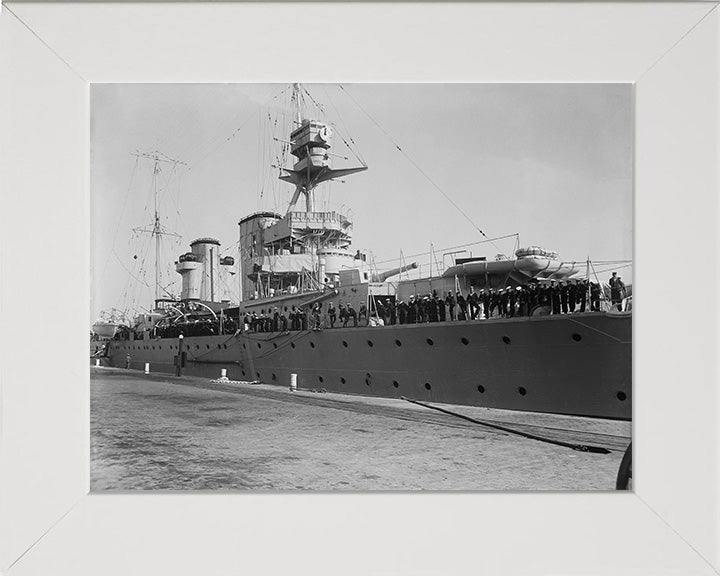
[430, 342]
[197, 347]
[521, 390]
[220, 346]
[140, 347]
[259, 345]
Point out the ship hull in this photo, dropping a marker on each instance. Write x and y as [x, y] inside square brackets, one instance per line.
[576, 364]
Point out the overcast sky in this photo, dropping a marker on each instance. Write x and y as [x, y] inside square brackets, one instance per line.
[550, 162]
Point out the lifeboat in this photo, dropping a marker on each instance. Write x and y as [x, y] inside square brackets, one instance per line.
[531, 262]
[105, 329]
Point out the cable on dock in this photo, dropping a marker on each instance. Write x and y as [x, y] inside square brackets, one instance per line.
[578, 447]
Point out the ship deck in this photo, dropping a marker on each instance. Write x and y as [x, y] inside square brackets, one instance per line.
[184, 433]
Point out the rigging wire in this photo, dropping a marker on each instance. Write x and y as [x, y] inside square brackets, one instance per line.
[418, 167]
[352, 149]
[489, 240]
[244, 123]
[122, 211]
[610, 269]
[228, 139]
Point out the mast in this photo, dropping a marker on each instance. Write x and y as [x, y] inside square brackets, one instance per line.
[310, 142]
[157, 230]
[296, 97]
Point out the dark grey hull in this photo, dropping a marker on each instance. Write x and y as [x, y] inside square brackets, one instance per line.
[577, 364]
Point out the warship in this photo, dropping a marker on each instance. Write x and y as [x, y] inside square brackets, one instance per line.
[315, 311]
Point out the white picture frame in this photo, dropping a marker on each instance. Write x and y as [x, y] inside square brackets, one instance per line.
[50, 524]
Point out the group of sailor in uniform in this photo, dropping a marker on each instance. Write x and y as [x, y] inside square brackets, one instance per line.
[562, 297]
[556, 297]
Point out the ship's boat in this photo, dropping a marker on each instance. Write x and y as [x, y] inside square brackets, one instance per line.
[105, 329]
[521, 269]
[315, 308]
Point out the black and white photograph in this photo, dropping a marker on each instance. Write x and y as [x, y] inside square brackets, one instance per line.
[361, 287]
[358, 282]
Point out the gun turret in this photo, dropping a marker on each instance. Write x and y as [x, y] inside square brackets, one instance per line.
[385, 275]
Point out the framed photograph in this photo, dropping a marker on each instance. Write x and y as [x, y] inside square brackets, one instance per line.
[76, 76]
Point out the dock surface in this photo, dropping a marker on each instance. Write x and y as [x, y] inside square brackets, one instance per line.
[159, 432]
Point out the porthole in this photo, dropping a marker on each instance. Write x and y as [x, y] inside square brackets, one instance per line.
[274, 345]
[398, 343]
[621, 396]
[342, 380]
[345, 344]
[522, 391]
[481, 389]
[396, 384]
[243, 372]
[219, 346]
[370, 343]
[259, 345]
[506, 339]
[258, 375]
[430, 341]
[153, 347]
[312, 344]
[197, 346]
[208, 346]
[577, 337]
[427, 386]
[244, 347]
[292, 345]
[225, 346]
[274, 376]
[465, 341]
[321, 379]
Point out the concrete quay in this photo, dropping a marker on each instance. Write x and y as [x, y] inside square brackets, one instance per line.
[160, 432]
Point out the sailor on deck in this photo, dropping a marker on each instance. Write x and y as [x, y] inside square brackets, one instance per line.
[450, 301]
[472, 301]
[554, 298]
[572, 295]
[331, 314]
[402, 310]
[582, 294]
[485, 301]
[564, 296]
[617, 290]
[392, 311]
[343, 316]
[352, 314]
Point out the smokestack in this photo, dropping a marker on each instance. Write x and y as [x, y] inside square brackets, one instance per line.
[198, 269]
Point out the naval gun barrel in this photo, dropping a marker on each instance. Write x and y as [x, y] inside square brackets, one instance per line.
[385, 275]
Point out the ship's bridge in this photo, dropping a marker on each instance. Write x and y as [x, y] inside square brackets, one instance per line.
[298, 224]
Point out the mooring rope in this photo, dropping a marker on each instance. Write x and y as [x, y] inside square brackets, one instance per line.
[578, 447]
